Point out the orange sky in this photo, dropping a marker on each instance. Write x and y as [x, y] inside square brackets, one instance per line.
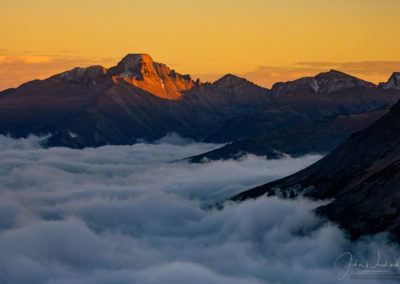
[264, 41]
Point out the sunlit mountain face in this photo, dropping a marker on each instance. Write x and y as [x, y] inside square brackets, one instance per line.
[137, 69]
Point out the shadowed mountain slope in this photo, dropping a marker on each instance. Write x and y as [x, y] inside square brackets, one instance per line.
[362, 176]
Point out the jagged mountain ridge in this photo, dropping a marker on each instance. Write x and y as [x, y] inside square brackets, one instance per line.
[139, 70]
[299, 120]
[142, 99]
[351, 96]
[137, 99]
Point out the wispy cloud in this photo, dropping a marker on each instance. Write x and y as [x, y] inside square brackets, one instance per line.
[125, 214]
[25, 59]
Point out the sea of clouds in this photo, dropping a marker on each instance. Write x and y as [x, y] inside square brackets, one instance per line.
[140, 214]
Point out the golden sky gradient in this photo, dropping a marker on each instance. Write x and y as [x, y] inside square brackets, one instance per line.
[263, 40]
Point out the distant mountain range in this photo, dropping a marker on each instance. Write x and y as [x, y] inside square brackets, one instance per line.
[308, 115]
[142, 99]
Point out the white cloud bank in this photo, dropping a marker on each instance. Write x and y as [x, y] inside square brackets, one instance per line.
[127, 214]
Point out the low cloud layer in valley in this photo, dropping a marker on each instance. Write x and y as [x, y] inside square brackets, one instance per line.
[139, 214]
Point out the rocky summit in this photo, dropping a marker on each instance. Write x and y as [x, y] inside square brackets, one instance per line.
[137, 69]
[323, 83]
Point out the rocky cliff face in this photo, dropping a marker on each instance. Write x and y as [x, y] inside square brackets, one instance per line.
[137, 69]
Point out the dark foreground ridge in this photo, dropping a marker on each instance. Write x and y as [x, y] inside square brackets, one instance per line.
[362, 176]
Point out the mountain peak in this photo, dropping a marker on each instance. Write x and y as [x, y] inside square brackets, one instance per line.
[142, 56]
[157, 78]
[323, 83]
[334, 75]
[334, 71]
[230, 76]
[132, 60]
[392, 83]
[230, 79]
[134, 66]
